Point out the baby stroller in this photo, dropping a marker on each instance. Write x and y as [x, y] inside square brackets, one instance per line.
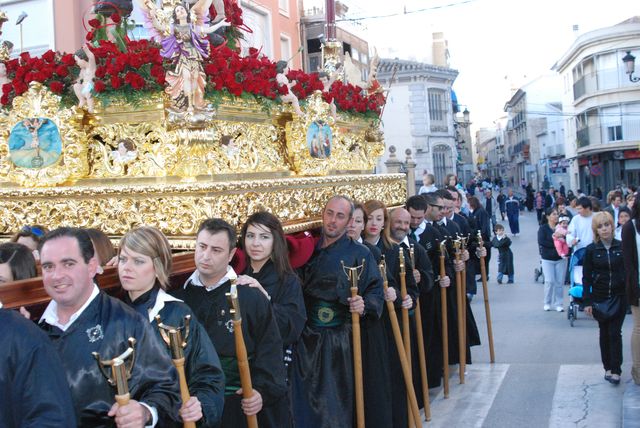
[575, 289]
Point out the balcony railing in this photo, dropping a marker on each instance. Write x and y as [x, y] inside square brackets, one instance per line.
[602, 134]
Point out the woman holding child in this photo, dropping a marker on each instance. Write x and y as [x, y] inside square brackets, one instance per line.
[553, 266]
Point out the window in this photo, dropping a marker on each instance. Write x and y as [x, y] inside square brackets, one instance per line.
[615, 133]
[437, 109]
[285, 47]
[283, 5]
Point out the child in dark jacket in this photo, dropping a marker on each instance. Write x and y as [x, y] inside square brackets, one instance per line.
[505, 257]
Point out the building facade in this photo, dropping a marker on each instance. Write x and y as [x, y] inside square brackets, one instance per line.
[530, 111]
[313, 33]
[419, 115]
[61, 25]
[603, 107]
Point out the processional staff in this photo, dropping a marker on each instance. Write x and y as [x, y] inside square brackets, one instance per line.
[176, 342]
[121, 367]
[397, 335]
[406, 332]
[353, 274]
[461, 342]
[421, 352]
[241, 350]
[445, 330]
[485, 291]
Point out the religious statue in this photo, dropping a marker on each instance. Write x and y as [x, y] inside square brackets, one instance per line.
[327, 80]
[184, 41]
[352, 73]
[3, 76]
[374, 89]
[5, 46]
[84, 85]
[282, 68]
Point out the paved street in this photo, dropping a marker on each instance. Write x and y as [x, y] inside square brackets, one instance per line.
[546, 374]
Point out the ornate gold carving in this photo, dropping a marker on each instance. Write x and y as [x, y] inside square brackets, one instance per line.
[177, 209]
[39, 102]
[350, 149]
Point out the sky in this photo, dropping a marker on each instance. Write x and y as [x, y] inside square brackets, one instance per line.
[495, 45]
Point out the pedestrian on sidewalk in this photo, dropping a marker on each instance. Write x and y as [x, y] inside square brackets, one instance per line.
[505, 256]
[604, 292]
[553, 266]
[630, 241]
[513, 213]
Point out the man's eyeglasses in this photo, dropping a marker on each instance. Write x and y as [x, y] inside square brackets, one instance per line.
[34, 230]
[440, 207]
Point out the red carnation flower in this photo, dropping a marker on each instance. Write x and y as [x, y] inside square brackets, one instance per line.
[68, 59]
[116, 82]
[99, 86]
[4, 100]
[56, 87]
[89, 36]
[116, 18]
[94, 23]
[49, 56]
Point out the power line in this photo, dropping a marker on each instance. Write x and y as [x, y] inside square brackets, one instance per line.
[406, 12]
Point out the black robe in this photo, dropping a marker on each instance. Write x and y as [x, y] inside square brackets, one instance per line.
[262, 340]
[323, 382]
[33, 387]
[288, 308]
[375, 365]
[473, 336]
[104, 327]
[205, 378]
[469, 230]
[398, 389]
[505, 256]
[426, 287]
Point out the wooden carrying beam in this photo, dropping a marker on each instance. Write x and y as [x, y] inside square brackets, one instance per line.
[30, 293]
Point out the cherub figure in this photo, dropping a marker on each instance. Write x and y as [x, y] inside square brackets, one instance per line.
[3, 76]
[84, 85]
[327, 80]
[186, 44]
[282, 68]
[126, 152]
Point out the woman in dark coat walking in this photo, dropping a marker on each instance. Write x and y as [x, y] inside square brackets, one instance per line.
[603, 281]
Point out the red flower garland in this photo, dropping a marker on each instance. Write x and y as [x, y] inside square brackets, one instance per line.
[142, 68]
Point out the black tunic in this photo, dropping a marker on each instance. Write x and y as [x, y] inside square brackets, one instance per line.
[375, 366]
[104, 327]
[505, 256]
[398, 389]
[288, 308]
[323, 369]
[262, 340]
[205, 378]
[33, 387]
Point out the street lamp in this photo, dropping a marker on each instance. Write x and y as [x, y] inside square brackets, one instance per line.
[630, 66]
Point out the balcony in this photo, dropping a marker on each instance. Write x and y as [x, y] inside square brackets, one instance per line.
[627, 131]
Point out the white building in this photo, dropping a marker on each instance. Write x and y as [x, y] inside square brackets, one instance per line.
[419, 115]
[534, 133]
[602, 129]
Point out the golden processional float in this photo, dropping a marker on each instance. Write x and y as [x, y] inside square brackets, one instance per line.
[169, 131]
